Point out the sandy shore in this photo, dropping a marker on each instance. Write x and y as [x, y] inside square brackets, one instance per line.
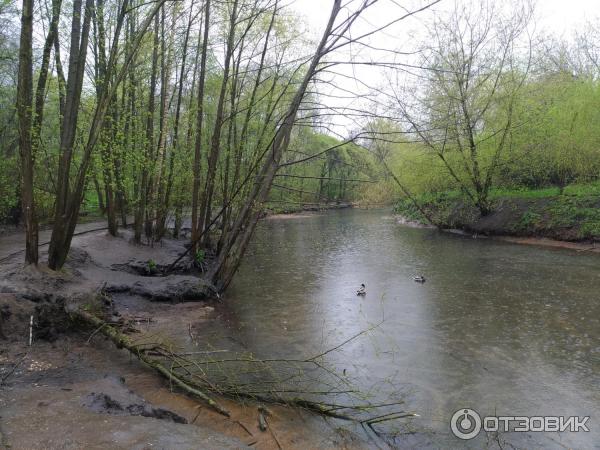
[76, 390]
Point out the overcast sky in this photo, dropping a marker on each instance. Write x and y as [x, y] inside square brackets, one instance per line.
[558, 17]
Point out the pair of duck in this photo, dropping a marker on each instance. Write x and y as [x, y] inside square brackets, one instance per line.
[363, 290]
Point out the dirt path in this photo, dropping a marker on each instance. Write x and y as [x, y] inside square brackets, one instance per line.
[14, 242]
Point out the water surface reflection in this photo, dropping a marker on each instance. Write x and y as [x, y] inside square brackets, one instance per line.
[497, 327]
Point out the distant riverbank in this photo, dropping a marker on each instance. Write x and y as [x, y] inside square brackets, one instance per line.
[573, 216]
[294, 208]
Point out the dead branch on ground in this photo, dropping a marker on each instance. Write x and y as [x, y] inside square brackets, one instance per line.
[307, 383]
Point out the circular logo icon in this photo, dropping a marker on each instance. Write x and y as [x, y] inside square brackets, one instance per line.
[465, 424]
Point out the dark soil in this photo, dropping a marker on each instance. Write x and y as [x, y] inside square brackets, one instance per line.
[563, 218]
[102, 403]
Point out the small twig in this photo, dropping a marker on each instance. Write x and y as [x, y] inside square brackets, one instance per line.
[244, 427]
[345, 342]
[262, 421]
[158, 352]
[335, 407]
[391, 417]
[202, 352]
[366, 428]
[6, 377]
[273, 434]
[196, 416]
[94, 333]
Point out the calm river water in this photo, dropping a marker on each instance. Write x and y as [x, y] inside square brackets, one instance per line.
[501, 328]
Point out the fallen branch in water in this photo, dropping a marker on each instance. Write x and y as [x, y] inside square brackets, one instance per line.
[304, 383]
[122, 341]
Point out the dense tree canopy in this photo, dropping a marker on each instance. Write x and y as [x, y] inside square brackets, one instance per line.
[150, 113]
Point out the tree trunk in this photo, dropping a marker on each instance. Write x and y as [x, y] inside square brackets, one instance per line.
[107, 138]
[157, 185]
[141, 208]
[60, 240]
[66, 215]
[176, 132]
[199, 119]
[43, 77]
[101, 206]
[230, 256]
[215, 146]
[24, 106]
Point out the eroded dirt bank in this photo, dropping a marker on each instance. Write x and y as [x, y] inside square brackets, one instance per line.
[563, 218]
[76, 390]
[592, 247]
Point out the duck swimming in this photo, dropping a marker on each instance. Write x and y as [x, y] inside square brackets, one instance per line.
[419, 279]
[361, 290]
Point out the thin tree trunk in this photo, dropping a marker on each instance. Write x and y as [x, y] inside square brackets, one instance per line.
[231, 142]
[43, 77]
[199, 119]
[57, 252]
[142, 204]
[107, 139]
[64, 226]
[61, 80]
[129, 126]
[24, 106]
[230, 256]
[157, 185]
[178, 111]
[101, 206]
[215, 147]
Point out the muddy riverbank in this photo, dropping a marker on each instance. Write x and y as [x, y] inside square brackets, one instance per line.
[560, 218]
[591, 247]
[73, 389]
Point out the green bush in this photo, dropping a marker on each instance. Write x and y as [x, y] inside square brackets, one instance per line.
[200, 256]
[8, 186]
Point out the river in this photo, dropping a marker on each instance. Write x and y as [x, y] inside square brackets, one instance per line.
[504, 329]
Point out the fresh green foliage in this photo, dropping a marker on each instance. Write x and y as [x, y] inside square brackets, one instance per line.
[200, 256]
[573, 215]
[8, 199]
[555, 149]
[529, 220]
[122, 152]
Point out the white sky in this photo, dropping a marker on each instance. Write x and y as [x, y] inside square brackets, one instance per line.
[559, 16]
[556, 17]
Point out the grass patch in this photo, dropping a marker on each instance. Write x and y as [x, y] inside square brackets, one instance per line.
[524, 193]
[583, 190]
